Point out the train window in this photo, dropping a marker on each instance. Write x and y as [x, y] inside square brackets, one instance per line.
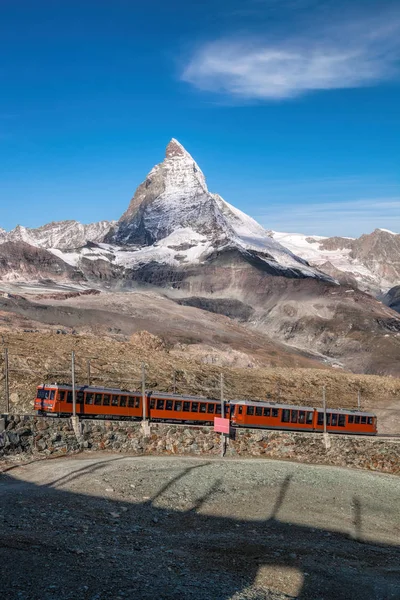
[137, 402]
[320, 418]
[79, 397]
[364, 420]
[302, 417]
[275, 412]
[309, 417]
[203, 407]
[131, 402]
[334, 420]
[259, 411]
[195, 406]
[267, 412]
[61, 395]
[169, 404]
[342, 420]
[186, 406]
[89, 398]
[351, 418]
[240, 410]
[40, 394]
[69, 397]
[178, 405]
[217, 409]
[152, 403]
[106, 399]
[52, 394]
[210, 408]
[160, 404]
[369, 420]
[115, 400]
[357, 419]
[328, 418]
[250, 410]
[285, 415]
[293, 416]
[122, 402]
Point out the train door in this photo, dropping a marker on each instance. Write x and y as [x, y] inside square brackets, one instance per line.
[237, 411]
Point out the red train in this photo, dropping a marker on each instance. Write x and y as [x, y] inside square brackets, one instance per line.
[99, 402]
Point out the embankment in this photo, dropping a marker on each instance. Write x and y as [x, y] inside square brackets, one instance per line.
[26, 436]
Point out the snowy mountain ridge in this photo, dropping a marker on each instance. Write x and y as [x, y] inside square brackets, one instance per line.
[63, 235]
[370, 262]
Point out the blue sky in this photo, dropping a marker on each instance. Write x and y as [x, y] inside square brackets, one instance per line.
[291, 108]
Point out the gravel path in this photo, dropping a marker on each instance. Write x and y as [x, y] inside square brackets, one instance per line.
[101, 527]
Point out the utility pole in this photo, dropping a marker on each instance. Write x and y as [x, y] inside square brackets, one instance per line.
[144, 392]
[324, 405]
[359, 400]
[73, 384]
[88, 371]
[6, 382]
[174, 382]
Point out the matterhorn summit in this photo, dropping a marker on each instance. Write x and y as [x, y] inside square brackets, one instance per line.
[173, 196]
[173, 209]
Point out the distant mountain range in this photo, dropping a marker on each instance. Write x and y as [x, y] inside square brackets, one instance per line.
[191, 245]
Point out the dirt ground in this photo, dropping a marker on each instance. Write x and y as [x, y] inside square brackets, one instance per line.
[98, 527]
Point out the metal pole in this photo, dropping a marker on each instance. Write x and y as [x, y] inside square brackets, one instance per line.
[88, 371]
[6, 382]
[324, 405]
[174, 382]
[144, 391]
[359, 400]
[73, 384]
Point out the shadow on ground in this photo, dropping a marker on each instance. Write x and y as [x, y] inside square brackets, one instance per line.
[57, 545]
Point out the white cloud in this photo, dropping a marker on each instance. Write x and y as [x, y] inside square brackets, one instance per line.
[349, 55]
[351, 218]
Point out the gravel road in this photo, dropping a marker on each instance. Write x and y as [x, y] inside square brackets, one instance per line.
[99, 527]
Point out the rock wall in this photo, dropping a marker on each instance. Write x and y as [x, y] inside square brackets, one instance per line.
[26, 436]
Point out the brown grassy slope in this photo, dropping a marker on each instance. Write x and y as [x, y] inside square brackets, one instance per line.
[38, 357]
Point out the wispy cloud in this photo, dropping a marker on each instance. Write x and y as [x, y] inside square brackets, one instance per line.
[351, 218]
[356, 53]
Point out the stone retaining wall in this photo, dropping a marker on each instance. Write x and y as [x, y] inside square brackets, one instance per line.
[26, 436]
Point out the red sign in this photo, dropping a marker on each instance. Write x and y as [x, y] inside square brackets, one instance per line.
[221, 425]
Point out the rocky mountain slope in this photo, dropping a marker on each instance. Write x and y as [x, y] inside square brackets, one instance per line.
[21, 261]
[370, 262]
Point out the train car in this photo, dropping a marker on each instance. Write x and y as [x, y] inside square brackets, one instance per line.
[346, 421]
[94, 402]
[184, 409]
[270, 415]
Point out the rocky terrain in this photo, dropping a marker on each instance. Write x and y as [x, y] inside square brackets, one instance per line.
[197, 529]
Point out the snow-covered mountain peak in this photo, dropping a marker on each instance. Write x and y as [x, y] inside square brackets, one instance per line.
[173, 199]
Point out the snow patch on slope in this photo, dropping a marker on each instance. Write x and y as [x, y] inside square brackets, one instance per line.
[309, 248]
